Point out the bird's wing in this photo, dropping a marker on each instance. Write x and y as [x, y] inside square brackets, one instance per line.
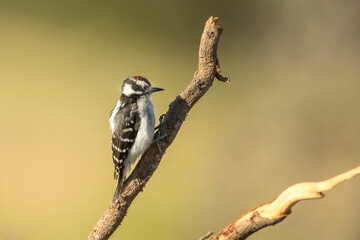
[123, 138]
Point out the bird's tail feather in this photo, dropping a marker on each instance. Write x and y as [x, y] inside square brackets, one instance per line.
[119, 185]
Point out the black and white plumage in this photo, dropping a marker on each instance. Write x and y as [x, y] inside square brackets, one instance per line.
[132, 123]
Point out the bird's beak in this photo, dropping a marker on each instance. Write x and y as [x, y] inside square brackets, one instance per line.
[155, 89]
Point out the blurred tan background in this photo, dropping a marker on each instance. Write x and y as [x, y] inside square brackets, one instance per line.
[290, 114]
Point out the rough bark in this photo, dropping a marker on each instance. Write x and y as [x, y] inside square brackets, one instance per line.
[248, 223]
[208, 68]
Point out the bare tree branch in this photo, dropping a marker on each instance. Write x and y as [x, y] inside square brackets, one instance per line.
[275, 211]
[208, 68]
[206, 236]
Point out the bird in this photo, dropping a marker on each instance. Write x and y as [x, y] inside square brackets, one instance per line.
[132, 123]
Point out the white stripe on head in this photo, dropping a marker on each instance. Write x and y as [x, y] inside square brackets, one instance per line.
[140, 82]
[128, 91]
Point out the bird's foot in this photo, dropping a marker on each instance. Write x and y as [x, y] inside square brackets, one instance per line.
[158, 135]
[161, 120]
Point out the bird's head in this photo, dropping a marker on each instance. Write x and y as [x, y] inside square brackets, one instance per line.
[137, 86]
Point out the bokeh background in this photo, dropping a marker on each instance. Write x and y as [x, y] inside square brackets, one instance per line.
[290, 114]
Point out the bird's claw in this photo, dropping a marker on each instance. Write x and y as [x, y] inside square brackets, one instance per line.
[158, 135]
[161, 120]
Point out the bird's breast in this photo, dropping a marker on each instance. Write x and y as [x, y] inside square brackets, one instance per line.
[145, 133]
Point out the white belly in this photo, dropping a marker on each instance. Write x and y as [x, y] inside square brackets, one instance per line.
[145, 133]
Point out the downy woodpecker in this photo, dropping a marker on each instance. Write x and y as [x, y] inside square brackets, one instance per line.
[132, 123]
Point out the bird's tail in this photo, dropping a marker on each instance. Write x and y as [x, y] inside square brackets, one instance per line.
[120, 183]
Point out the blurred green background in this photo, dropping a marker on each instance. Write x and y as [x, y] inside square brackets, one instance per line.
[290, 114]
